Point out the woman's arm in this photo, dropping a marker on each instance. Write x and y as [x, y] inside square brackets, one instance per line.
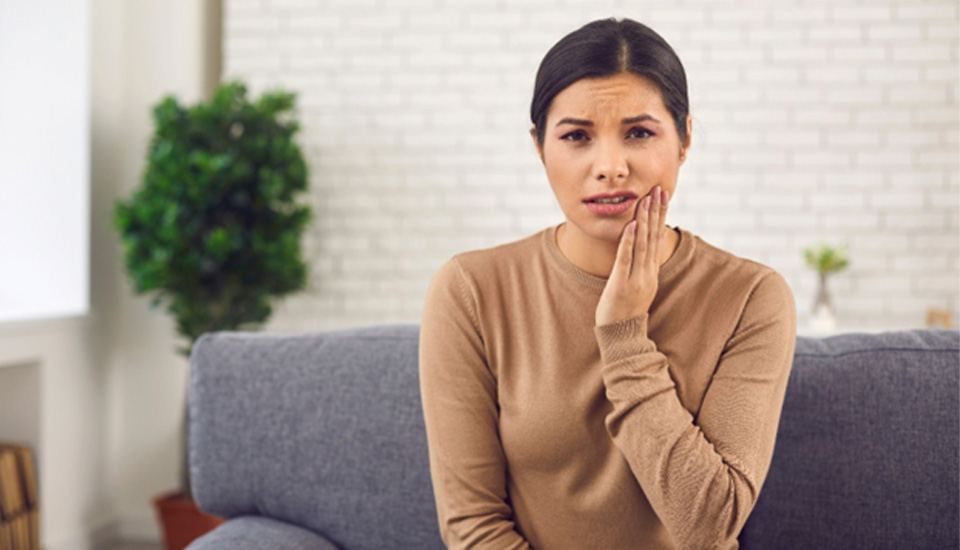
[703, 478]
[459, 394]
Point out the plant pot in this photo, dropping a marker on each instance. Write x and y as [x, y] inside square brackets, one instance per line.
[181, 521]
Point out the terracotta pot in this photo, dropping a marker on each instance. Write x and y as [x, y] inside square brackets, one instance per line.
[181, 520]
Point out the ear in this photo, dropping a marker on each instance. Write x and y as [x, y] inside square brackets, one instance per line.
[686, 146]
[533, 134]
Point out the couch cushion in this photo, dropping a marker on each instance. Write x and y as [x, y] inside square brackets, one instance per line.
[322, 429]
[258, 533]
[867, 450]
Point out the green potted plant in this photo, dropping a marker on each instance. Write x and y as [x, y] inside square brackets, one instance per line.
[824, 259]
[213, 231]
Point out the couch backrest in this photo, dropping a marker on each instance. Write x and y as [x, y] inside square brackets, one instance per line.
[867, 449]
[323, 430]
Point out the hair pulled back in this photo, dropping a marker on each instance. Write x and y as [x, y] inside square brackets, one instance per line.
[607, 47]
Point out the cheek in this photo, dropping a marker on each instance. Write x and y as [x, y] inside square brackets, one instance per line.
[565, 172]
[563, 181]
[654, 165]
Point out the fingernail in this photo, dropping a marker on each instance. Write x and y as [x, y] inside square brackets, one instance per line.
[645, 203]
[665, 198]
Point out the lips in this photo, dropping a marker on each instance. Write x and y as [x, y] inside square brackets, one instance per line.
[627, 194]
[611, 209]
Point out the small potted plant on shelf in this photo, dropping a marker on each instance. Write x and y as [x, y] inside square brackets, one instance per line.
[214, 232]
[824, 259]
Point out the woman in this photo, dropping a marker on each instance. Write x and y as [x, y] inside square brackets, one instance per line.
[609, 382]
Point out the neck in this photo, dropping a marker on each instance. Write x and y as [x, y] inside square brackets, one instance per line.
[596, 256]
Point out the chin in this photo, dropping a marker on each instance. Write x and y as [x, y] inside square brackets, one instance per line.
[604, 228]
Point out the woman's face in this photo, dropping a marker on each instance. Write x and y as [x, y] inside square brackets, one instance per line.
[605, 135]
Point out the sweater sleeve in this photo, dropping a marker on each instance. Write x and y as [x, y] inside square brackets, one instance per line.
[702, 476]
[461, 413]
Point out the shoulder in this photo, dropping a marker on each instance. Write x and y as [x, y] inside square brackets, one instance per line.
[764, 297]
[737, 272]
[492, 262]
[718, 258]
[771, 305]
[748, 287]
[466, 273]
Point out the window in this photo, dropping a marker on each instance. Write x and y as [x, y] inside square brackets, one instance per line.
[44, 158]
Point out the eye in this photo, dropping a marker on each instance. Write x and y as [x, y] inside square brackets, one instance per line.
[576, 135]
[639, 132]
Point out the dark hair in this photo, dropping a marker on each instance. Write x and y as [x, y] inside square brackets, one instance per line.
[607, 47]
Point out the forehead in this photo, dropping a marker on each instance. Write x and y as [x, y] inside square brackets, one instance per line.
[618, 96]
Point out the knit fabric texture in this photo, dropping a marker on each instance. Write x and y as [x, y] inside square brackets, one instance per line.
[548, 432]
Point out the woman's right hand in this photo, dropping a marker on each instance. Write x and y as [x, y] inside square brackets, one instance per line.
[632, 284]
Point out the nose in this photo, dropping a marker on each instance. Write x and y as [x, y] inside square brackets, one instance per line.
[610, 163]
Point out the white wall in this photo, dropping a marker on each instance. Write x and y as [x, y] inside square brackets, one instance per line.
[52, 390]
[141, 51]
[52, 384]
[107, 388]
[44, 159]
[812, 120]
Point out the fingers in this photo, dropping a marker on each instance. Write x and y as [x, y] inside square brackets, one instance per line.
[642, 242]
[653, 233]
[623, 265]
[665, 196]
[651, 218]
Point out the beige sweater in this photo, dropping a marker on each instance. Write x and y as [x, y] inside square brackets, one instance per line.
[548, 432]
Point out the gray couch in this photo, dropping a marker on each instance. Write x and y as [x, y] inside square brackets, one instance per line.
[317, 441]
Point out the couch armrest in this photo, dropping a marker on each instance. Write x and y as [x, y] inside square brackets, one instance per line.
[323, 430]
[257, 532]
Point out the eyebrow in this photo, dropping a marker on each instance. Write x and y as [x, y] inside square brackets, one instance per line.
[582, 122]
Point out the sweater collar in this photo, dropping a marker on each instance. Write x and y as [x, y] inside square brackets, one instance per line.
[681, 256]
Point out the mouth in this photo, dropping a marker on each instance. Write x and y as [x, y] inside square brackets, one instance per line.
[611, 198]
[611, 206]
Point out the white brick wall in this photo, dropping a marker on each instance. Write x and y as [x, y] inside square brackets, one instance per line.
[812, 120]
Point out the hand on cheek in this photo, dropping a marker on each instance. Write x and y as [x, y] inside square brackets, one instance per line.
[632, 284]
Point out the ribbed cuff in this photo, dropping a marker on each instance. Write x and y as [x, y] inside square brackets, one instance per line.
[625, 338]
